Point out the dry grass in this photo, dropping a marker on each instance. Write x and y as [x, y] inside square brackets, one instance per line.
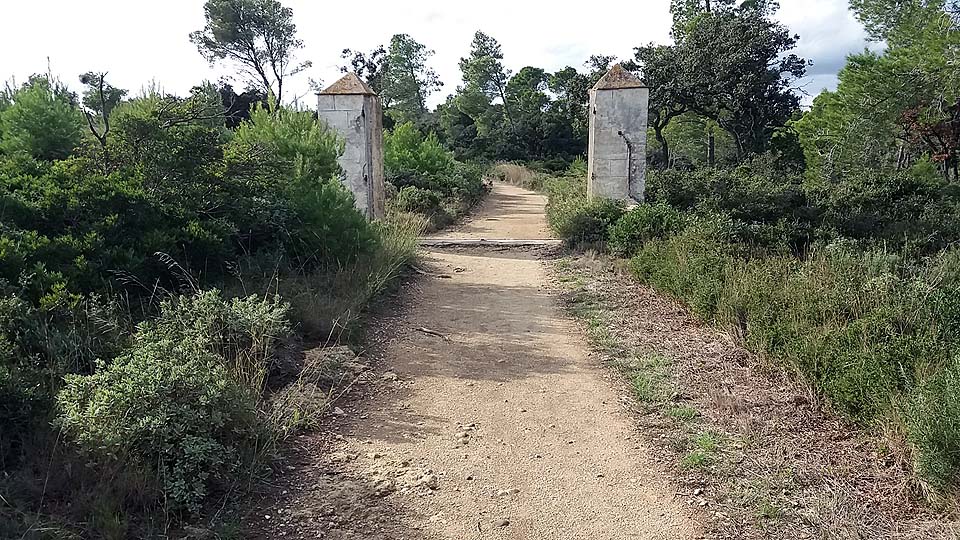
[518, 175]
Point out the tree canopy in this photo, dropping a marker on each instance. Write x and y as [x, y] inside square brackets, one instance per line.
[257, 36]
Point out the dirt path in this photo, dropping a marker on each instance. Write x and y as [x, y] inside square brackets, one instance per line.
[508, 212]
[487, 417]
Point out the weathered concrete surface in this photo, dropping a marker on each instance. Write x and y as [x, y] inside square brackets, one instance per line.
[617, 155]
[351, 108]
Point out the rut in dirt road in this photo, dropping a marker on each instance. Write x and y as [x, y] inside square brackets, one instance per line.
[493, 420]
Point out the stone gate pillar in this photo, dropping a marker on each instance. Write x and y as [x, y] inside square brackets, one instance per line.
[617, 155]
[351, 108]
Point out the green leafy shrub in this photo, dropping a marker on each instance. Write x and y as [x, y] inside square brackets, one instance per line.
[641, 224]
[180, 404]
[418, 200]
[429, 181]
[301, 145]
[41, 121]
[167, 407]
[577, 219]
[405, 149]
[329, 228]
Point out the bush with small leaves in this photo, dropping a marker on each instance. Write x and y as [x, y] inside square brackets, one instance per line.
[640, 225]
[180, 406]
[419, 201]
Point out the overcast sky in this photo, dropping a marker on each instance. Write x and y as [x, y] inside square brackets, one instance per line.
[138, 41]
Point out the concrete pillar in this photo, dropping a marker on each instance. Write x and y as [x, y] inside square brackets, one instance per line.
[617, 155]
[351, 108]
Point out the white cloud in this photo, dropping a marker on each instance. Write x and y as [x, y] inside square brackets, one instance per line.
[140, 41]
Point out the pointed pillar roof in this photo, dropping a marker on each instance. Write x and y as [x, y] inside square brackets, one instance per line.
[617, 78]
[349, 84]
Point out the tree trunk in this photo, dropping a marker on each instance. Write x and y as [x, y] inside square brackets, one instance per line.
[664, 148]
[711, 148]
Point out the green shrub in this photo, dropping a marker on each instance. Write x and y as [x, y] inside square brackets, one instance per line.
[329, 228]
[465, 181]
[873, 332]
[180, 405]
[769, 205]
[418, 200]
[934, 427]
[242, 332]
[405, 149]
[41, 121]
[690, 265]
[575, 218]
[169, 408]
[640, 225]
[590, 222]
[429, 180]
[303, 146]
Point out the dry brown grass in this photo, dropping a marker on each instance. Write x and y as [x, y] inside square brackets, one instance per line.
[518, 175]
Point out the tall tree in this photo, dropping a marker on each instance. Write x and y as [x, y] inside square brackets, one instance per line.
[483, 70]
[887, 20]
[257, 36]
[895, 108]
[370, 67]
[671, 92]
[99, 100]
[745, 69]
[407, 79]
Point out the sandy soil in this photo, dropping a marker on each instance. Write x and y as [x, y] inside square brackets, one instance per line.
[485, 416]
[508, 212]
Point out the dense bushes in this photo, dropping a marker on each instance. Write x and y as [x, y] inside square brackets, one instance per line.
[176, 185]
[641, 224]
[179, 406]
[874, 333]
[428, 180]
[842, 281]
[574, 217]
[405, 149]
[106, 247]
[41, 122]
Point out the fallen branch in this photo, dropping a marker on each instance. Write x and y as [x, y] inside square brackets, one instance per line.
[433, 333]
[423, 272]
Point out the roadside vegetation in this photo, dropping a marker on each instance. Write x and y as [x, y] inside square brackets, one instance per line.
[824, 242]
[427, 180]
[164, 257]
[148, 284]
[163, 261]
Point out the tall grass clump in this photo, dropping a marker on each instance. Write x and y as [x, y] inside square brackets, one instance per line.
[520, 175]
